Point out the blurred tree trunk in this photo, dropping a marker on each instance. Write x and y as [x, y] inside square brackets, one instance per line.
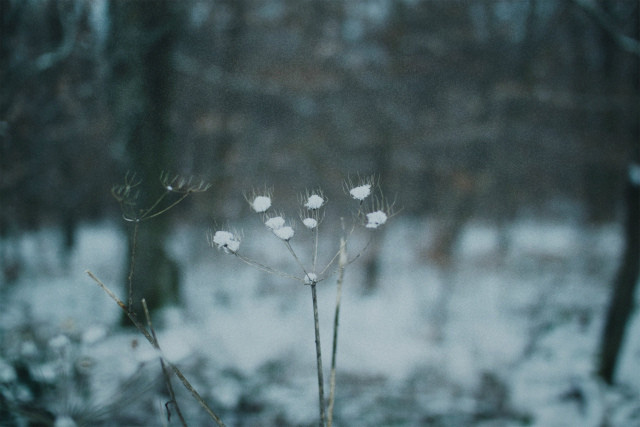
[229, 59]
[622, 300]
[142, 36]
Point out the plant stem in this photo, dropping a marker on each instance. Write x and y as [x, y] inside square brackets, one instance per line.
[134, 244]
[165, 373]
[332, 382]
[152, 341]
[318, 354]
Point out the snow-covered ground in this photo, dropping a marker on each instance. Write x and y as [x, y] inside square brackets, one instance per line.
[502, 335]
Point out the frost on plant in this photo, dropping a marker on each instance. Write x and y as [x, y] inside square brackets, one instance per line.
[275, 222]
[261, 203]
[376, 219]
[310, 278]
[226, 241]
[314, 202]
[361, 192]
[310, 223]
[284, 233]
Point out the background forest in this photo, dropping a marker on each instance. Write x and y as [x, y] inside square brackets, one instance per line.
[505, 130]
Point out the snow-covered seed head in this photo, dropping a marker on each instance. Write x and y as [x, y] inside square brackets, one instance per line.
[314, 202]
[376, 219]
[226, 241]
[284, 233]
[310, 279]
[361, 192]
[275, 222]
[310, 223]
[260, 204]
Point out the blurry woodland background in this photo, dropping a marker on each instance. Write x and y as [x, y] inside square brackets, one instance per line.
[487, 109]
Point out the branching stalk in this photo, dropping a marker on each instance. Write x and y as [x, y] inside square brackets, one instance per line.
[266, 268]
[165, 373]
[153, 342]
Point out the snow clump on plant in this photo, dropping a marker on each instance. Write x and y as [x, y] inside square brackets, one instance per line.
[310, 223]
[226, 241]
[310, 278]
[275, 222]
[284, 233]
[361, 192]
[314, 202]
[261, 204]
[376, 219]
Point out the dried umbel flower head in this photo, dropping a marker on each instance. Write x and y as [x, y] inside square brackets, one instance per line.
[314, 201]
[128, 192]
[381, 211]
[224, 240]
[182, 184]
[361, 188]
[310, 223]
[261, 203]
[376, 219]
[259, 200]
[360, 192]
[284, 233]
[275, 222]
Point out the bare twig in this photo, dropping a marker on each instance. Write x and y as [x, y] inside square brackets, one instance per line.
[165, 373]
[132, 263]
[152, 341]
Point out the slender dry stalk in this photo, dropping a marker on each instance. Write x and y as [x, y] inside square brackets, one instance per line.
[165, 373]
[152, 341]
[342, 263]
[318, 355]
[132, 263]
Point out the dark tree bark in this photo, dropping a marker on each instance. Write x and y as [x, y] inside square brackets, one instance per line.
[622, 301]
[143, 34]
[625, 283]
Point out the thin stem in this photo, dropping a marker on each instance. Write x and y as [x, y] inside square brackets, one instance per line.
[266, 268]
[332, 382]
[293, 253]
[152, 341]
[132, 263]
[184, 196]
[165, 373]
[156, 203]
[315, 246]
[318, 354]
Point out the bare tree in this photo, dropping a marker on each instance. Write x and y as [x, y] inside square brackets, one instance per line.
[142, 37]
[625, 282]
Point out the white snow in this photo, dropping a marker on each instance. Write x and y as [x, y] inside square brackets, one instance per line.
[418, 346]
[314, 202]
[226, 241]
[310, 278]
[284, 233]
[275, 222]
[310, 223]
[361, 192]
[376, 219]
[261, 204]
